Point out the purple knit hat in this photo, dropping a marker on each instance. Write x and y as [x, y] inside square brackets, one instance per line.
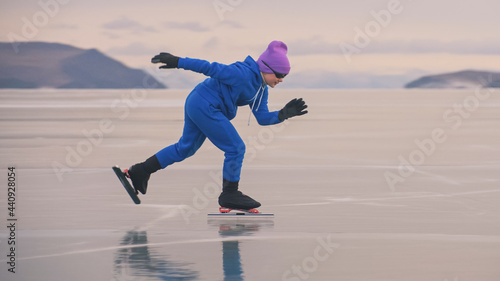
[275, 57]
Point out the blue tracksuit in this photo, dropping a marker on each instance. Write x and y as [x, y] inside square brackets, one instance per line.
[210, 107]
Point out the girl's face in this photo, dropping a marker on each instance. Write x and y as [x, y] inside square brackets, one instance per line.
[271, 80]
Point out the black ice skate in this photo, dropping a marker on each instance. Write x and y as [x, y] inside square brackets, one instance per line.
[237, 200]
[139, 173]
[233, 204]
[139, 177]
[232, 198]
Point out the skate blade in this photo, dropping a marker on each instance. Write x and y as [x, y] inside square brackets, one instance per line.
[128, 187]
[240, 215]
[227, 212]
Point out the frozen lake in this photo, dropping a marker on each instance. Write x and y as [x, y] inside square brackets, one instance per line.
[370, 185]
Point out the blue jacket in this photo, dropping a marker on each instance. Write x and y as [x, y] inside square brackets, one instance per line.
[230, 86]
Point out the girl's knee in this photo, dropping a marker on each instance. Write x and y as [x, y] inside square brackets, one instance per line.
[238, 150]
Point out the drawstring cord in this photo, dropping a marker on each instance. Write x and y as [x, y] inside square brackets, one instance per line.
[261, 88]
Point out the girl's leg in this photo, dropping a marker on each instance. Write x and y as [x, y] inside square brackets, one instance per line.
[219, 130]
[191, 140]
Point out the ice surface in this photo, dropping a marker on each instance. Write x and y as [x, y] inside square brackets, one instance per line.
[324, 176]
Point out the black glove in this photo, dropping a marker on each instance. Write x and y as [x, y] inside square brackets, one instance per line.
[168, 59]
[293, 108]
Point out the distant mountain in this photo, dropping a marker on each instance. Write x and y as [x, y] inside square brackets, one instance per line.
[457, 80]
[52, 65]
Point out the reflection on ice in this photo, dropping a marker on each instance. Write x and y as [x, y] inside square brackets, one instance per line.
[231, 261]
[231, 257]
[136, 261]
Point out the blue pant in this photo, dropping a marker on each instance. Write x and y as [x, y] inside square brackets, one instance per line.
[203, 119]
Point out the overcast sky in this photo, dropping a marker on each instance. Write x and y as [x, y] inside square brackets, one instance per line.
[386, 37]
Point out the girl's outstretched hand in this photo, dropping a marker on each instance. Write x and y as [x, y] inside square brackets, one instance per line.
[168, 59]
[295, 107]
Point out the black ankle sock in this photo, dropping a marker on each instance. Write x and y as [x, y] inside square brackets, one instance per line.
[152, 164]
[228, 186]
